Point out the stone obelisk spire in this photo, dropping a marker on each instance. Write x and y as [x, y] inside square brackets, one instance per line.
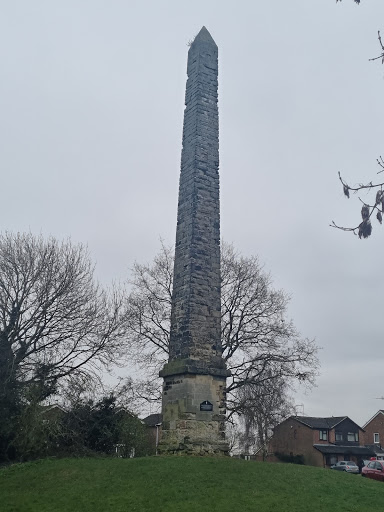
[194, 378]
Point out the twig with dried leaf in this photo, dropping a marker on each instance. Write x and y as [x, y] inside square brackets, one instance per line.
[364, 229]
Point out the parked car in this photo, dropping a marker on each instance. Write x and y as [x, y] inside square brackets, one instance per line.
[346, 465]
[374, 469]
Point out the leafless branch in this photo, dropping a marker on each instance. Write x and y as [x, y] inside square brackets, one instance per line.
[258, 342]
[364, 229]
[55, 320]
[381, 56]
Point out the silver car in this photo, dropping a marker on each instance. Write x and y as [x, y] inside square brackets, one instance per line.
[346, 465]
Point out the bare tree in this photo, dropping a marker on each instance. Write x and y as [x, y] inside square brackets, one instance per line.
[149, 320]
[56, 322]
[265, 406]
[259, 343]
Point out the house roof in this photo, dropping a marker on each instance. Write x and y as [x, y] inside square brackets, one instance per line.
[52, 407]
[376, 448]
[325, 423]
[380, 411]
[153, 419]
[331, 449]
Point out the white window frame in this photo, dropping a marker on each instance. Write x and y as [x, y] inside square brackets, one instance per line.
[323, 435]
[376, 438]
[338, 436]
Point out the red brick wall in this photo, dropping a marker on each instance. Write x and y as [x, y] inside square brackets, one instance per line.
[376, 425]
[292, 437]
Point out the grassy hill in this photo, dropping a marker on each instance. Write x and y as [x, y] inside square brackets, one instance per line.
[181, 484]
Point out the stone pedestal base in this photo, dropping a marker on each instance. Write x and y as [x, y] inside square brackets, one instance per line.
[193, 413]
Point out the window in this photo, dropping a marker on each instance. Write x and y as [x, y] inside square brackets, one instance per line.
[338, 436]
[323, 435]
[376, 437]
[353, 437]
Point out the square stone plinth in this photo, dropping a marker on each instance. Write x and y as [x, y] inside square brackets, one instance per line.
[193, 415]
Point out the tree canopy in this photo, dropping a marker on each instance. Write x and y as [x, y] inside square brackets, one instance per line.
[260, 344]
[56, 322]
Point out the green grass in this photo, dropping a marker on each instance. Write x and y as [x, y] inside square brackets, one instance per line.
[181, 484]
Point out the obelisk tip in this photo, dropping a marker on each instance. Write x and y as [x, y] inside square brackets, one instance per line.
[204, 37]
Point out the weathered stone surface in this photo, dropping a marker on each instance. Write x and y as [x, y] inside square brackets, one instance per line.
[196, 372]
[187, 429]
[195, 324]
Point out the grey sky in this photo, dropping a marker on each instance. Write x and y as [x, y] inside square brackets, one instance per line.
[91, 102]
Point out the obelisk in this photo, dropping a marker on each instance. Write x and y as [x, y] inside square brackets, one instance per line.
[195, 375]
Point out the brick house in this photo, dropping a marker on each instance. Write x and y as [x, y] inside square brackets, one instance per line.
[374, 434]
[318, 441]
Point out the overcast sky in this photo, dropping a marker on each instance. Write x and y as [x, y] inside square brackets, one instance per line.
[91, 102]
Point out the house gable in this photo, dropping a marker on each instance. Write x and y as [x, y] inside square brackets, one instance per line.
[379, 413]
[374, 430]
[347, 433]
[292, 438]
